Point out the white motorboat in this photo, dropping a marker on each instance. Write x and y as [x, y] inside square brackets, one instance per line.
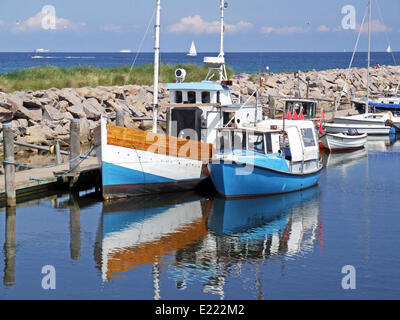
[370, 129]
[336, 142]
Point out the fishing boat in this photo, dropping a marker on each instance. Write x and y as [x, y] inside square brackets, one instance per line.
[272, 158]
[339, 142]
[192, 51]
[136, 162]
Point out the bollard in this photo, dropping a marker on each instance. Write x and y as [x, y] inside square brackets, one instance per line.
[120, 118]
[9, 169]
[57, 152]
[74, 145]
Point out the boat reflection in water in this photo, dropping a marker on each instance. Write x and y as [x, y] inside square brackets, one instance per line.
[140, 231]
[249, 231]
[343, 160]
[205, 238]
[382, 143]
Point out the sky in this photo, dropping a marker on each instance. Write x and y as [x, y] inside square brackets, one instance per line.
[251, 25]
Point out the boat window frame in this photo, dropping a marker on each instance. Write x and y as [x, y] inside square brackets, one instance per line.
[177, 92]
[252, 149]
[191, 101]
[203, 100]
[306, 142]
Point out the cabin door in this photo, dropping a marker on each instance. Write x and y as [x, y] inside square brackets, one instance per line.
[187, 122]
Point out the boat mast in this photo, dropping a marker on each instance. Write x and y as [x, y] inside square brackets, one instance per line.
[221, 50]
[156, 65]
[222, 73]
[369, 54]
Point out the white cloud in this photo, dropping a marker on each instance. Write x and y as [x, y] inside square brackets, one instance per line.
[197, 25]
[323, 28]
[34, 24]
[376, 26]
[284, 30]
[111, 28]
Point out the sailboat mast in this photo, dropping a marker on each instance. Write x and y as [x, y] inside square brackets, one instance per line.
[222, 7]
[369, 54]
[156, 64]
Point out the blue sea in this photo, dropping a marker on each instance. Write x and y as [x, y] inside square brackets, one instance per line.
[244, 62]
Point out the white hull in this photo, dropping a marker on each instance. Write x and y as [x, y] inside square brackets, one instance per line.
[369, 119]
[130, 171]
[369, 129]
[341, 142]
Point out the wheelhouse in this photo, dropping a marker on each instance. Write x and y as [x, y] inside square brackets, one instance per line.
[307, 106]
[199, 109]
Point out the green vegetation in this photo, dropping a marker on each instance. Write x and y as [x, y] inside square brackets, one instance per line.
[38, 78]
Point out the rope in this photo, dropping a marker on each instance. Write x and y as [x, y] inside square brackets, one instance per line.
[354, 53]
[84, 155]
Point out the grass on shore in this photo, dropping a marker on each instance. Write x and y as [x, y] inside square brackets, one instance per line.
[40, 78]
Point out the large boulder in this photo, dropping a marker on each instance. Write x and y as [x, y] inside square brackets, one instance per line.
[51, 113]
[77, 111]
[92, 109]
[71, 96]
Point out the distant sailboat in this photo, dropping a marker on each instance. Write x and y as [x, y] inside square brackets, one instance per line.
[192, 51]
[389, 49]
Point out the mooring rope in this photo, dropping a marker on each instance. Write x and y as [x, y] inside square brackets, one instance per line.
[22, 165]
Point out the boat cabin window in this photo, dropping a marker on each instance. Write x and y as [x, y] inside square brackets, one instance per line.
[205, 97]
[308, 137]
[268, 142]
[227, 116]
[191, 97]
[178, 97]
[256, 142]
[228, 140]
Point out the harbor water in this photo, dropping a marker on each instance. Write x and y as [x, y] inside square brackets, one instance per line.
[192, 246]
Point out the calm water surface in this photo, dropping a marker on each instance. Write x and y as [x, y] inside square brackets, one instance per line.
[184, 246]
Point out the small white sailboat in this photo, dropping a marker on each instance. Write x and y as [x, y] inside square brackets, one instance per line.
[192, 51]
[389, 49]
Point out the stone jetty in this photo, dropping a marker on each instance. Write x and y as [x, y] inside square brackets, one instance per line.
[43, 116]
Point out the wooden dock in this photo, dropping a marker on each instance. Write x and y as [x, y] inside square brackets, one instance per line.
[81, 171]
[88, 176]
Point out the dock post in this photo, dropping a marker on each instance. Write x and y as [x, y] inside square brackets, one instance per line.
[57, 152]
[75, 227]
[9, 247]
[74, 145]
[9, 169]
[120, 118]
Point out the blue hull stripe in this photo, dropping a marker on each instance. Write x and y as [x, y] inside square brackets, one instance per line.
[116, 175]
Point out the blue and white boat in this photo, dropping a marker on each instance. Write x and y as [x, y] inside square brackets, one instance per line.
[273, 158]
